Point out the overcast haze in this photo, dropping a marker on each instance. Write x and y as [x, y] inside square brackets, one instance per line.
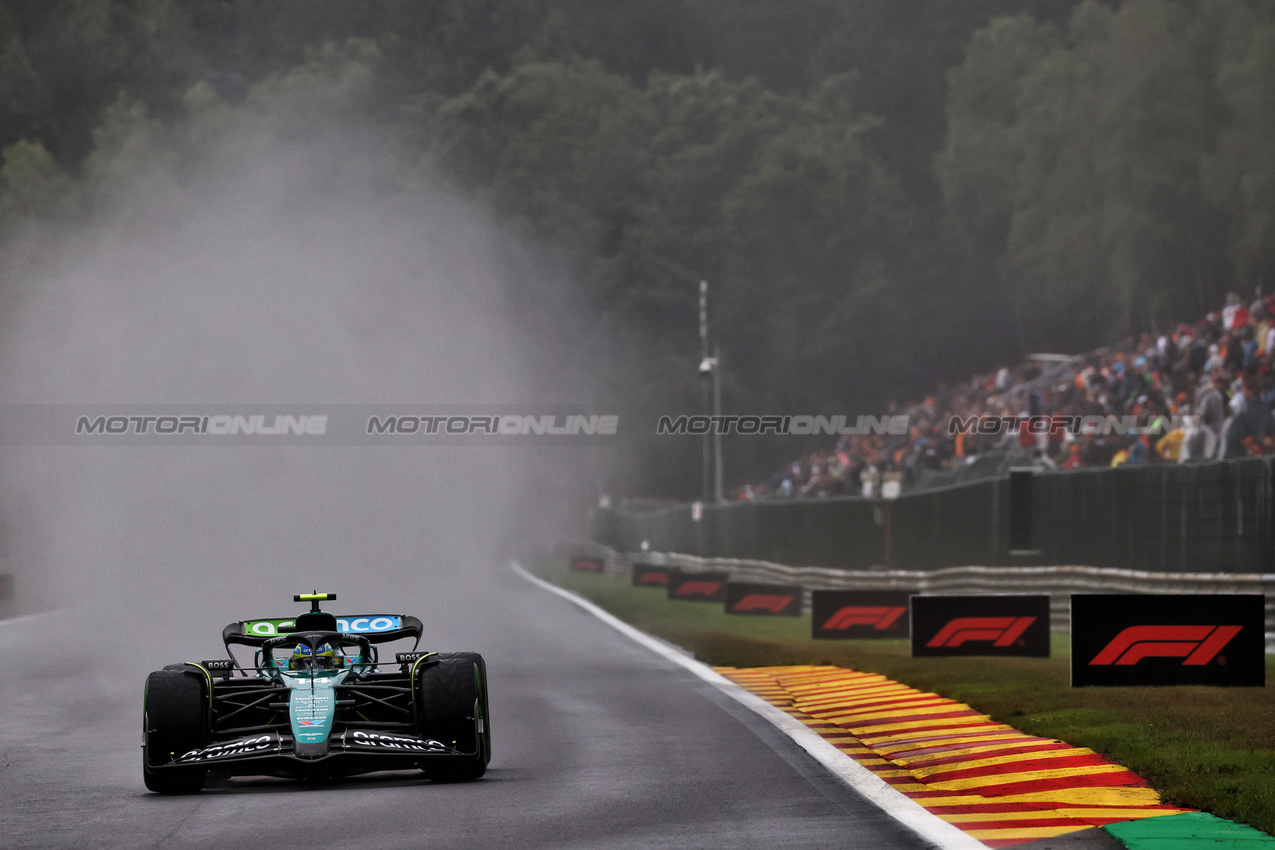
[264, 273]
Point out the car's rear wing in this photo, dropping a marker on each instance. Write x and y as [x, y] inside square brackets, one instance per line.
[376, 628]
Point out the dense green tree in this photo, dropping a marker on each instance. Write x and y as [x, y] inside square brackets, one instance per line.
[814, 231]
[1075, 157]
[560, 146]
[1239, 177]
[31, 184]
[978, 168]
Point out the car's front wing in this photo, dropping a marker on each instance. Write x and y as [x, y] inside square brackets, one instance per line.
[349, 752]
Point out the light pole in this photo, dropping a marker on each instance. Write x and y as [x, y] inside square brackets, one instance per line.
[705, 367]
[717, 434]
[710, 366]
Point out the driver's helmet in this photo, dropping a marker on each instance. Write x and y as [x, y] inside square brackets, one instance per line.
[322, 658]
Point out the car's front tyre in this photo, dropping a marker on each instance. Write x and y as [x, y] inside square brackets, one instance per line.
[174, 721]
[451, 699]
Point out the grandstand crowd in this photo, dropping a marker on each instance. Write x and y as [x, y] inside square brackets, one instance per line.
[1203, 392]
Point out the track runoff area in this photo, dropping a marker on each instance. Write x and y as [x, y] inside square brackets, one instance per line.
[951, 774]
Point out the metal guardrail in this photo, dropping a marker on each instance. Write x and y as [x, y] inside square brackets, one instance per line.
[1058, 581]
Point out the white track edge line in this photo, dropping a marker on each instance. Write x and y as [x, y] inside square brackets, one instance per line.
[880, 793]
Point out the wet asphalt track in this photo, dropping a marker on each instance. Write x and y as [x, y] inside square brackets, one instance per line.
[597, 744]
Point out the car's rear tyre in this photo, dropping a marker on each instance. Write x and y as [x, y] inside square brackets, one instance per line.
[174, 722]
[451, 700]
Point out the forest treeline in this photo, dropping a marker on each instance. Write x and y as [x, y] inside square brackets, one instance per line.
[884, 195]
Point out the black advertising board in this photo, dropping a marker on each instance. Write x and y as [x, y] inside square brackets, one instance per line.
[1020, 510]
[649, 575]
[842, 614]
[766, 600]
[586, 564]
[1171, 639]
[980, 625]
[697, 587]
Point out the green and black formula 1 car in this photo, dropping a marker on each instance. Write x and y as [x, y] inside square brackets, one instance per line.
[317, 702]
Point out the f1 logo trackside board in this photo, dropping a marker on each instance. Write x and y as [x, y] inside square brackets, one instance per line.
[649, 575]
[586, 564]
[697, 587]
[773, 600]
[1000, 624]
[843, 614]
[1171, 639]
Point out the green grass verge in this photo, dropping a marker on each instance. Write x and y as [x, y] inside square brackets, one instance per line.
[1202, 748]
